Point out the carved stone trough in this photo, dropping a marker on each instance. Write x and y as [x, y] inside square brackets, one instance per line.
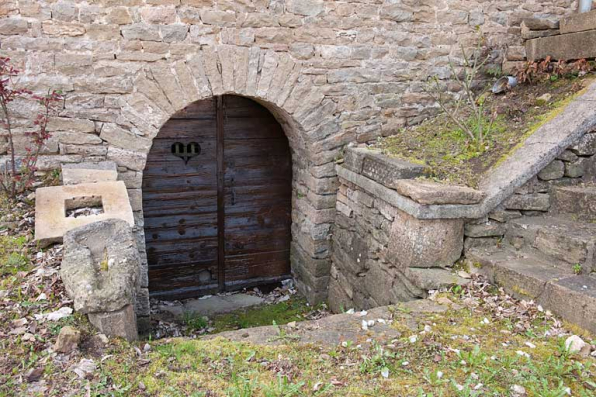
[100, 271]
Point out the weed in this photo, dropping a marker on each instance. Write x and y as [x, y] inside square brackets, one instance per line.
[577, 268]
[194, 321]
[283, 388]
[282, 334]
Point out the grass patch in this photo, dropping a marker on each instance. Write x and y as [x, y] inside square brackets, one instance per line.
[281, 313]
[447, 150]
[13, 255]
[466, 352]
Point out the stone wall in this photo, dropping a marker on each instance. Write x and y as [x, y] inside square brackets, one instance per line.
[381, 254]
[385, 252]
[576, 165]
[332, 72]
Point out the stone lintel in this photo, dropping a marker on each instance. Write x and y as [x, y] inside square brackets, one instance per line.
[51, 222]
[578, 22]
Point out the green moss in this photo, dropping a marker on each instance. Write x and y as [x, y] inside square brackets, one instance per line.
[282, 313]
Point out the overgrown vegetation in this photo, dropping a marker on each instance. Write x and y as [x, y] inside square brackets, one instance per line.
[447, 150]
[467, 111]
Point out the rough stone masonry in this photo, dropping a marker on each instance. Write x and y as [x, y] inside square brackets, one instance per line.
[332, 72]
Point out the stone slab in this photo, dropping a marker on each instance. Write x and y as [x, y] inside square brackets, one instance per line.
[121, 323]
[564, 47]
[217, 304]
[578, 22]
[332, 330]
[51, 222]
[527, 276]
[74, 174]
[428, 192]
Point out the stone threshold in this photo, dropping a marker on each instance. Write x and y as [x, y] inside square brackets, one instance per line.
[546, 144]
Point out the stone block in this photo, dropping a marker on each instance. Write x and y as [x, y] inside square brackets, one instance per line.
[124, 139]
[52, 203]
[528, 202]
[68, 340]
[555, 170]
[13, 26]
[579, 22]
[121, 323]
[428, 192]
[486, 229]
[575, 169]
[528, 34]
[382, 169]
[574, 299]
[563, 47]
[425, 243]
[540, 24]
[579, 200]
[101, 266]
[568, 156]
[586, 145]
[308, 8]
[77, 173]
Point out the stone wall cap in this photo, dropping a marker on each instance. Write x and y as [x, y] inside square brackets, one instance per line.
[579, 22]
[429, 192]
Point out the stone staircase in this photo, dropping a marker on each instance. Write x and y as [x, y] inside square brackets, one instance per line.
[550, 258]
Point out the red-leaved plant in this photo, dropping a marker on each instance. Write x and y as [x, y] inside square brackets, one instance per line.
[16, 178]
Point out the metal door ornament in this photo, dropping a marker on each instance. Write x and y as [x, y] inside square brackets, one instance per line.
[186, 152]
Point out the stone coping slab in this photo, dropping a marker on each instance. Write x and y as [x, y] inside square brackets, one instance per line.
[539, 150]
[386, 170]
[570, 46]
[429, 192]
[578, 22]
[51, 204]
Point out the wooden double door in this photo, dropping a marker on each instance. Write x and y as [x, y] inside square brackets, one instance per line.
[217, 200]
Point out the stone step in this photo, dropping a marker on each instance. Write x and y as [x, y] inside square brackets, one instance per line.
[526, 275]
[563, 239]
[578, 200]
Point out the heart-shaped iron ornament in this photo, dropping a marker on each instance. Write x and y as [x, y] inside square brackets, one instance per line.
[186, 152]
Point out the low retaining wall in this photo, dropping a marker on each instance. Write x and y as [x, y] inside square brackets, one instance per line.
[389, 247]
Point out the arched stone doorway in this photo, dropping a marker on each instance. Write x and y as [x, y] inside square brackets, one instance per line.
[217, 192]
